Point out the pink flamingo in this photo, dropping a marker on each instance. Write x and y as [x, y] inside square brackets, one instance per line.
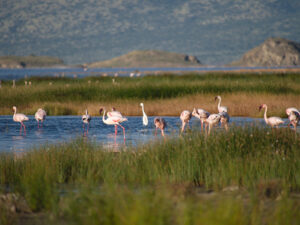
[294, 117]
[114, 118]
[185, 117]
[40, 115]
[19, 117]
[272, 121]
[86, 118]
[201, 114]
[212, 121]
[161, 124]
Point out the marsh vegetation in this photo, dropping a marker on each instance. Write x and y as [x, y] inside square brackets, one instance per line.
[247, 176]
[242, 93]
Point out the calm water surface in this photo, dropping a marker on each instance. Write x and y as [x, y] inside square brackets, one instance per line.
[59, 129]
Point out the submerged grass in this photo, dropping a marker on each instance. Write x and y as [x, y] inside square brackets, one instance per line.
[101, 90]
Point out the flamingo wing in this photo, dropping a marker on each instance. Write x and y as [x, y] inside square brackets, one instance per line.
[275, 121]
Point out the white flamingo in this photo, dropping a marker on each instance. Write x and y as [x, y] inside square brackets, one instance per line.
[86, 118]
[212, 120]
[114, 119]
[161, 124]
[224, 119]
[19, 117]
[272, 121]
[145, 118]
[185, 117]
[201, 114]
[220, 108]
[40, 115]
[294, 116]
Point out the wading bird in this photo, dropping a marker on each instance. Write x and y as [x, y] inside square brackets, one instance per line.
[19, 117]
[40, 115]
[145, 118]
[161, 124]
[185, 117]
[224, 119]
[86, 118]
[201, 114]
[113, 118]
[212, 120]
[294, 116]
[272, 121]
[220, 108]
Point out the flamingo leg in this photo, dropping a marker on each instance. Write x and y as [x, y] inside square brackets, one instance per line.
[201, 125]
[183, 125]
[162, 132]
[123, 130]
[38, 123]
[116, 129]
[87, 130]
[155, 131]
[24, 128]
[21, 128]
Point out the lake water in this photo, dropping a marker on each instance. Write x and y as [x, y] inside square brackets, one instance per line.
[10, 74]
[59, 129]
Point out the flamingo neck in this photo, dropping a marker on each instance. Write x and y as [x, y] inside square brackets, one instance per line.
[103, 117]
[86, 112]
[219, 105]
[265, 114]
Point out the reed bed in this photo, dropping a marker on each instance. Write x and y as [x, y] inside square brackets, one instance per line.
[241, 92]
[247, 175]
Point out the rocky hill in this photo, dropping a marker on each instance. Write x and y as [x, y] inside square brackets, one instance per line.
[29, 61]
[272, 52]
[149, 58]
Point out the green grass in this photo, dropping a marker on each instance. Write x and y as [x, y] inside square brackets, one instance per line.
[145, 88]
[159, 183]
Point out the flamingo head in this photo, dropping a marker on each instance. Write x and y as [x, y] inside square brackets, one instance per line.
[14, 108]
[142, 104]
[100, 110]
[262, 106]
[217, 97]
[194, 112]
[113, 109]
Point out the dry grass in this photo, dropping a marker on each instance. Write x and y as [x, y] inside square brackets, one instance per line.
[239, 104]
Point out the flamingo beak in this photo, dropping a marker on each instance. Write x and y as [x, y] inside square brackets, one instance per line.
[216, 98]
[100, 110]
[260, 107]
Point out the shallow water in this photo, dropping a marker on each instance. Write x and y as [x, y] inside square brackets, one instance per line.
[59, 129]
[10, 74]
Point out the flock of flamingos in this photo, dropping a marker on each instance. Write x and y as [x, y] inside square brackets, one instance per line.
[208, 120]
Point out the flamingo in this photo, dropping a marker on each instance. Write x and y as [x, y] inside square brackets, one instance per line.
[145, 118]
[19, 117]
[114, 113]
[212, 120]
[113, 119]
[294, 116]
[86, 118]
[220, 108]
[185, 117]
[161, 124]
[40, 115]
[224, 119]
[272, 121]
[201, 114]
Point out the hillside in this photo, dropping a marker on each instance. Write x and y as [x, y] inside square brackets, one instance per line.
[272, 52]
[149, 58]
[29, 61]
[79, 31]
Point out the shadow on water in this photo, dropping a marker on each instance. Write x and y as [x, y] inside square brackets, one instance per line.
[60, 129]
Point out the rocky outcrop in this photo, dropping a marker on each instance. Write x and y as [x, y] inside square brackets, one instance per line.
[149, 58]
[272, 52]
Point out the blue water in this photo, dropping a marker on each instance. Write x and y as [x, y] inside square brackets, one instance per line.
[59, 129]
[10, 74]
